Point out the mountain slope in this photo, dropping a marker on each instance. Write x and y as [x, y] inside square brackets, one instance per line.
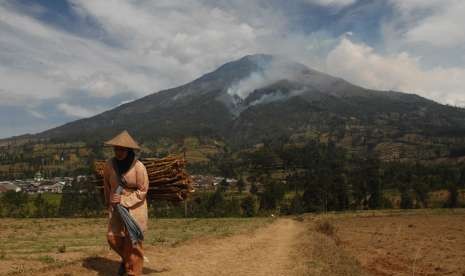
[263, 97]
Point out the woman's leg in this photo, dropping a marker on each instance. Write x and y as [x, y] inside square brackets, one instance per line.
[134, 257]
[116, 243]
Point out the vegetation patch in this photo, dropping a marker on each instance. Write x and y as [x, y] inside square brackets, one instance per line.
[324, 226]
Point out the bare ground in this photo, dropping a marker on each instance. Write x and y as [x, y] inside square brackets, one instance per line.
[272, 250]
[375, 243]
[269, 251]
[420, 244]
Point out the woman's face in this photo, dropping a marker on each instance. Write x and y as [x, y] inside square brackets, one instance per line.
[120, 152]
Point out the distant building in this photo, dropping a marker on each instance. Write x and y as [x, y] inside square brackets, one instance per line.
[203, 182]
[209, 182]
[8, 186]
[38, 177]
[51, 188]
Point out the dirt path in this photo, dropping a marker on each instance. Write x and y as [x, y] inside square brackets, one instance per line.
[272, 250]
[269, 251]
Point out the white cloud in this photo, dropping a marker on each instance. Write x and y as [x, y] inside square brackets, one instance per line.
[36, 114]
[158, 45]
[103, 85]
[78, 111]
[7, 98]
[442, 30]
[333, 3]
[411, 5]
[435, 22]
[146, 46]
[183, 38]
[43, 63]
[360, 64]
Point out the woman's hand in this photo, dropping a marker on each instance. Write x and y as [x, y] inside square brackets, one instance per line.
[115, 199]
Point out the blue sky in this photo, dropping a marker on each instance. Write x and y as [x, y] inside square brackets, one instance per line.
[65, 60]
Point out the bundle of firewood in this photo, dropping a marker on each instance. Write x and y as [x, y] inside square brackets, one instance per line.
[167, 177]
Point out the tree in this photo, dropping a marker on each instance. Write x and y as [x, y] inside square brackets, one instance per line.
[373, 184]
[225, 164]
[272, 195]
[15, 204]
[405, 199]
[253, 188]
[69, 203]
[359, 191]
[80, 199]
[421, 190]
[462, 177]
[297, 204]
[341, 192]
[240, 185]
[41, 207]
[452, 199]
[313, 197]
[216, 203]
[249, 206]
[223, 185]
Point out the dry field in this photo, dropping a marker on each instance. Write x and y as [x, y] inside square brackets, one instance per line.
[78, 246]
[405, 243]
[424, 242]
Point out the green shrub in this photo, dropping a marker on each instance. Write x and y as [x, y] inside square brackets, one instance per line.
[249, 206]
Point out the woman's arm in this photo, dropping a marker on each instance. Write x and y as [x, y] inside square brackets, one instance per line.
[139, 195]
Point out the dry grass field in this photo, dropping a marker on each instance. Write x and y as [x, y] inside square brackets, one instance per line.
[421, 242]
[34, 246]
[428, 242]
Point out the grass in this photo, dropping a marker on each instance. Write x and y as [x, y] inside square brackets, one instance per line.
[46, 259]
[43, 244]
[321, 248]
[52, 198]
[36, 244]
[21, 237]
[175, 231]
[392, 212]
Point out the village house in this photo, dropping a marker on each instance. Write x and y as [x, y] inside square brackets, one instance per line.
[210, 182]
[8, 186]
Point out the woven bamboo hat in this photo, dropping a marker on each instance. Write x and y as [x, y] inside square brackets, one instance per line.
[123, 140]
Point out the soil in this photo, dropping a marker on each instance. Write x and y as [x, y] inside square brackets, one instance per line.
[271, 250]
[420, 244]
[371, 243]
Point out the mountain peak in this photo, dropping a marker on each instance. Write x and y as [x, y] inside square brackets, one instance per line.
[265, 61]
[261, 60]
[256, 75]
[238, 69]
[271, 67]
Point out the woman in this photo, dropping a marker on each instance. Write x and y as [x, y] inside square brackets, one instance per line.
[124, 167]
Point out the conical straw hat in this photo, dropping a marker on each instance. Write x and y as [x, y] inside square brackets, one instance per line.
[123, 140]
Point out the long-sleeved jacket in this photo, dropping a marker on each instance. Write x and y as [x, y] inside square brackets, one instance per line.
[133, 196]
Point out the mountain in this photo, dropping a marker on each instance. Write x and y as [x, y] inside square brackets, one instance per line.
[263, 97]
